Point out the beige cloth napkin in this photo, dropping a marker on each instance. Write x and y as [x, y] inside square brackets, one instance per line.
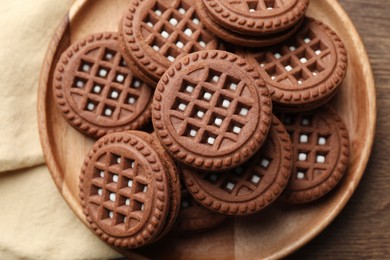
[26, 29]
[35, 222]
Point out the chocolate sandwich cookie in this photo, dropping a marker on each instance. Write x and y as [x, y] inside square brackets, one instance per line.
[156, 32]
[193, 217]
[321, 150]
[256, 17]
[211, 110]
[95, 90]
[248, 188]
[126, 187]
[242, 39]
[305, 71]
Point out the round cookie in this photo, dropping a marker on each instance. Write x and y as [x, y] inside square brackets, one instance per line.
[95, 90]
[156, 32]
[211, 110]
[305, 71]
[257, 17]
[248, 188]
[242, 39]
[193, 217]
[125, 189]
[174, 182]
[321, 149]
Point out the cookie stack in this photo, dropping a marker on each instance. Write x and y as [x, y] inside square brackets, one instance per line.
[232, 132]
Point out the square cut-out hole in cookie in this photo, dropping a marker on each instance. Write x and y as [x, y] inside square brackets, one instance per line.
[102, 72]
[85, 66]
[172, 53]
[322, 140]
[214, 76]
[119, 219]
[138, 205]
[183, 8]
[308, 36]
[320, 158]
[238, 170]
[304, 138]
[157, 44]
[187, 87]
[91, 105]
[319, 48]
[128, 164]
[79, 82]
[135, 83]
[229, 186]
[96, 190]
[98, 173]
[131, 99]
[224, 102]
[265, 162]
[191, 131]
[231, 83]
[274, 72]
[212, 177]
[301, 76]
[120, 78]
[114, 93]
[304, 56]
[242, 110]
[209, 138]
[108, 111]
[198, 112]
[301, 174]
[123, 63]
[109, 55]
[180, 105]
[303, 156]
[216, 120]
[315, 68]
[97, 88]
[106, 213]
[306, 121]
[255, 179]
[206, 95]
[115, 159]
[289, 64]
[202, 40]
[235, 127]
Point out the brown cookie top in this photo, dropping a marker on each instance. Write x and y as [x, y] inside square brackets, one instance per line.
[321, 150]
[248, 188]
[242, 39]
[156, 32]
[211, 110]
[95, 90]
[125, 189]
[256, 17]
[306, 68]
[193, 217]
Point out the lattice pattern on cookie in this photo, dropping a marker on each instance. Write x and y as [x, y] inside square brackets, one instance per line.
[212, 111]
[174, 31]
[311, 146]
[257, 5]
[246, 178]
[104, 86]
[298, 60]
[119, 190]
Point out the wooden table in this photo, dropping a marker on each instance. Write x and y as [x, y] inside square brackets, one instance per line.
[362, 230]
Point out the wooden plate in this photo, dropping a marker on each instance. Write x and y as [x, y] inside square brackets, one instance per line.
[275, 232]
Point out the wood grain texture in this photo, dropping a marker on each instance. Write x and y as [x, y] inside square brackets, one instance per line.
[362, 230]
